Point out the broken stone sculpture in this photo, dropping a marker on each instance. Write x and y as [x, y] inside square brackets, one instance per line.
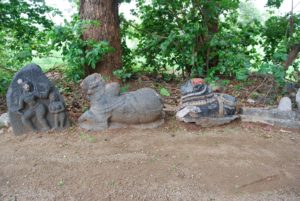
[110, 109]
[34, 103]
[203, 107]
[274, 117]
[282, 116]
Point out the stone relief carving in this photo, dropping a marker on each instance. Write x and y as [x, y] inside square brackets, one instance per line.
[34, 103]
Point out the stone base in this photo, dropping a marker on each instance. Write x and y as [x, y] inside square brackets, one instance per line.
[151, 125]
[210, 121]
[275, 117]
[97, 126]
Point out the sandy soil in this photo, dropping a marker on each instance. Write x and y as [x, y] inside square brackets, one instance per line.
[176, 162]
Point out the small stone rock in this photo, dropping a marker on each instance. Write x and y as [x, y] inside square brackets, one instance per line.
[298, 99]
[4, 120]
[251, 101]
[285, 104]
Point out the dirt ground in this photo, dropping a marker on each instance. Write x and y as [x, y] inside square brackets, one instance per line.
[175, 162]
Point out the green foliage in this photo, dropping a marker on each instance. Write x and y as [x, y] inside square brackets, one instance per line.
[27, 32]
[196, 38]
[78, 53]
[187, 38]
[127, 55]
[280, 34]
[274, 3]
[23, 30]
[248, 12]
[164, 92]
[124, 88]
[211, 39]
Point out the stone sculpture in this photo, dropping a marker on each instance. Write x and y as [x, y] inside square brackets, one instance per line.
[282, 116]
[271, 116]
[34, 104]
[200, 105]
[110, 109]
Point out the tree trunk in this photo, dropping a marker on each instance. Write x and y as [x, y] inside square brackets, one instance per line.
[106, 12]
[293, 54]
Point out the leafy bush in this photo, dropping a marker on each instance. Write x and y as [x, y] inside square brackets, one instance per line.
[196, 38]
[78, 53]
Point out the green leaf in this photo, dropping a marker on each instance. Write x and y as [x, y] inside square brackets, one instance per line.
[164, 92]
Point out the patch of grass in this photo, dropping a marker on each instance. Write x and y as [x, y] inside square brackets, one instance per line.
[86, 137]
[48, 62]
[124, 88]
[255, 95]
[112, 183]
[238, 87]
[61, 183]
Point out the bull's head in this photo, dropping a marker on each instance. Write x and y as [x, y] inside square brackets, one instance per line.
[92, 84]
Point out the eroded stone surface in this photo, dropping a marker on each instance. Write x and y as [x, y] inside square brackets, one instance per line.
[34, 103]
[110, 109]
[285, 104]
[286, 119]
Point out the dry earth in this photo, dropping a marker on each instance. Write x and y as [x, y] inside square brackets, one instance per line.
[176, 162]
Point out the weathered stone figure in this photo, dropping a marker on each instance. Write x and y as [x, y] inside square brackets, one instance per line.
[57, 108]
[200, 105]
[34, 104]
[35, 108]
[110, 109]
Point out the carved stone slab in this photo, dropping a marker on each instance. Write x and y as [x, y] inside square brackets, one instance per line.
[285, 119]
[34, 103]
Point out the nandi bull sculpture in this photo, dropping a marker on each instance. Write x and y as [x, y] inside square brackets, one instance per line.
[110, 109]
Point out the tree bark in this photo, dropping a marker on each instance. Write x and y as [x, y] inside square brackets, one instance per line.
[293, 54]
[106, 12]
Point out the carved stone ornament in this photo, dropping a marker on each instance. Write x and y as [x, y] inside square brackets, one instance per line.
[34, 103]
[110, 109]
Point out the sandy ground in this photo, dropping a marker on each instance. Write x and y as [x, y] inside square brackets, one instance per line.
[173, 163]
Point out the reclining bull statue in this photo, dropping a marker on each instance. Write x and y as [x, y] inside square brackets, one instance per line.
[142, 108]
[200, 105]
